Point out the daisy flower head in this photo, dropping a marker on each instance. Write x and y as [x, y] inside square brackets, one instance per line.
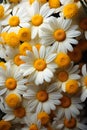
[17, 19]
[61, 32]
[64, 74]
[84, 83]
[69, 107]
[38, 16]
[5, 125]
[11, 79]
[83, 26]
[43, 98]
[39, 65]
[72, 124]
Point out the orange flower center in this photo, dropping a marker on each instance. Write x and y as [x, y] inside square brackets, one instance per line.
[59, 35]
[11, 83]
[37, 20]
[33, 127]
[70, 123]
[17, 60]
[5, 125]
[63, 76]
[20, 112]
[42, 96]
[65, 101]
[14, 21]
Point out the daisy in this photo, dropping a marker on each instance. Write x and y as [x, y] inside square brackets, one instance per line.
[83, 26]
[70, 106]
[5, 10]
[17, 19]
[43, 98]
[59, 31]
[5, 125]
[39, 65]
[11, 79]
[64, 74]
[84, 83]
[72, 124]
[38, 16]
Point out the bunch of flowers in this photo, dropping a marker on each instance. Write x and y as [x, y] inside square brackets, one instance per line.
[43, 81]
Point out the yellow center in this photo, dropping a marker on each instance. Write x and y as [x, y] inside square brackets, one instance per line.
[11, 83]
[33, 127]
[63, 76]
[59, 35]
[17, 60]
[72, 86]
[70, 123]
[83, 24]
[14, 1]
[14, 21]
[62, 60]
[37, 20]
[12, 39]
[42, 96]
[85, 81]
[2, 64]
[42, 1]
[43, 117]
[3, 36]
[54, 3]
[40, 64]
[31, 1]
[70, 10]
[24, 34]
[20, 112]
[1, 11]
[65, 101]
[23, 47]
[13, 100]
[5, 125]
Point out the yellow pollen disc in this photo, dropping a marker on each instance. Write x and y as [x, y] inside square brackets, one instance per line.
[12, 39]
[70, 123]
[17, 60]
[65, 101]
[13, 100]
[62, 60]
[33, 127]
[75, 55]
[10, 83]
[20, 112]
[83, 24]
[59, 35]
[3, 36]
[14, 21]
[1, 11]
[54, 3]
[14, 1]
[70, 10]
[40, 64]
[5, 125]
[43, 117]
[85, 81]
[63, 76]
[23, 47]
[31, 1]
[2, 64]
[42, 96]
[42, 1]
[38, 45]
[37, 20]
[24, 34]
[72, 87]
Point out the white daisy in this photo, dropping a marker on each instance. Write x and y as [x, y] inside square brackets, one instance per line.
[11, 79]
[38, 15]
[17, 19]
[64, 74]
[43, 98]
[70, 107]
[59, 31]
[39, 65]
[72, 124]
[84, 83]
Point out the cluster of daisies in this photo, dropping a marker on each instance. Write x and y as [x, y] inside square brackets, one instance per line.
[43, 81]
